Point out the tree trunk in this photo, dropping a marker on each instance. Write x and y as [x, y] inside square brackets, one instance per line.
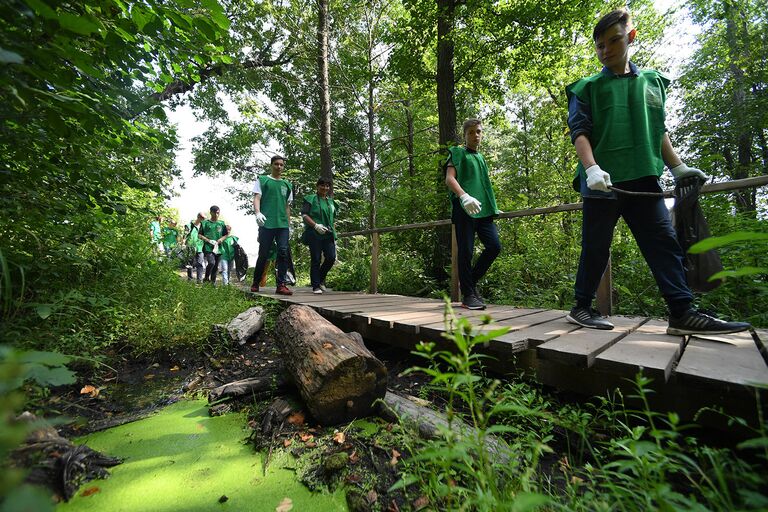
[338, 378]
[326, 161]
[446, 111]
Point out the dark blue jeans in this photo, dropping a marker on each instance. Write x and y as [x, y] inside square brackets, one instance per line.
[212, 267]
[320, 248]
[648, 219]
[267, 236]
[466, 228]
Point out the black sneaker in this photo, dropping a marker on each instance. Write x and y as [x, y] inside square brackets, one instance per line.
[589, 318]
[696, 322]
[472, 302]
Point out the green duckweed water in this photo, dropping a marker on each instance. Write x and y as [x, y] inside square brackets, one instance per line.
[183, 460]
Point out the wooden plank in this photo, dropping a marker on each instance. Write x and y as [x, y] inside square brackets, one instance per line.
[649, 349]
[731, 359]
[387, 304]
[514, 319]
[535, 335]
[414, 324]
[580, 347]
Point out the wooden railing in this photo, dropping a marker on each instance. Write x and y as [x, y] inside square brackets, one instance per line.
[604, 301]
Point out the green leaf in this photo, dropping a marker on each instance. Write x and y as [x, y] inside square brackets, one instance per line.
[741, 272]
[46, 358]
[529, 501]
[42, 9]
[43, 310]
[45, 376]
[714, 242]
[140, 17]
[77, 24]
[9, 57]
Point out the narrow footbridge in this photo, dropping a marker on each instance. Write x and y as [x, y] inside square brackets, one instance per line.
[728, 371]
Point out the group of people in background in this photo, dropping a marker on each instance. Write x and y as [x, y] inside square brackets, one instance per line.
[617, 125]
[206, 248]
[272, 197]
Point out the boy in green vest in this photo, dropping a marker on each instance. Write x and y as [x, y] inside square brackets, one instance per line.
[227, 250]
[272, 198]
[616, 119]
[212, 232]
[170, 237]
[319, 213]
[195, 244]
[473, 210]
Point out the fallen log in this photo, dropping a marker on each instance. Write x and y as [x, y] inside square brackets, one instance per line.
[430, 423]
[243, 327]
[336, 375]
[248, 386]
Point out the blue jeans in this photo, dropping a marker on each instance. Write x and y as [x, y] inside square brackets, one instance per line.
[466, 228]
[648, 219]
[198, 263]
[267, 236]
[320, 248]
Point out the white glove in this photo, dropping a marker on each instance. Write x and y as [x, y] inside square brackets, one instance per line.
[683, 171]
[215, 247]
[321, 230]
[598, 179]
[470, 204]
[260, 219]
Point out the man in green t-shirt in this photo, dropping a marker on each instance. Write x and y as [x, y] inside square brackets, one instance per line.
[272, 198]
[170, 237]
[212, 231]
[616, 119]
[319, 214]
[227, 251]
[195, 246]
[474, 208]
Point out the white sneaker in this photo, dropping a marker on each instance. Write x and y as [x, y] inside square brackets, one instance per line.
[317, 291]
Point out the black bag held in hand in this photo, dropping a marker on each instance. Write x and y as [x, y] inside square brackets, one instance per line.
[691, 226]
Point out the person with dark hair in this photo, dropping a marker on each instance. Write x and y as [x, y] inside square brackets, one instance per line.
[319, 214]
[272, 198]
[473, 210]
[616, 120]
[212, 231]
[195, 247]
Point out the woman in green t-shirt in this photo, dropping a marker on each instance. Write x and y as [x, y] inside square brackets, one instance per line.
[319, 212]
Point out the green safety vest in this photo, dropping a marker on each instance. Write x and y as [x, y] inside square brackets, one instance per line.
[194, 240]
[274, 201]
[212, 230]
[227, 248]
[169, 237]
[472, 175]
[627, 122]
[323, 211]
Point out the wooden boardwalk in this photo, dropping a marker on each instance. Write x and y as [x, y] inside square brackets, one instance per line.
[688, 372]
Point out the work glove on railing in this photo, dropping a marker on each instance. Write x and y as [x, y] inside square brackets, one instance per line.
[321, 230]
[470, 204]
[683, 171]
[598, 179]
[260, 219]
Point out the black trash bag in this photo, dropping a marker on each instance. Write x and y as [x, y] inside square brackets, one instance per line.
[691, 227]
[241, 262]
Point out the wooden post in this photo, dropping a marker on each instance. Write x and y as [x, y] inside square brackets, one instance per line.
[373, 288]
[604, 295]
[454, 266]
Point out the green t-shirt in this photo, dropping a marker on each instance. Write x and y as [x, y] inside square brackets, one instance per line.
[193, 240]
[627, 122]
[227, 248]
[212, 230]
[154, 228]
[274, 201]
[169, 237]
[322, 210]
[472, 175]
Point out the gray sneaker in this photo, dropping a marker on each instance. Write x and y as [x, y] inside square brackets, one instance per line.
[696, 322]
[472, 302]
[589, 318]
